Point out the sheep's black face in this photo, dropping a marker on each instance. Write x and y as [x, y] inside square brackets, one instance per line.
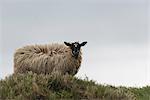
[75, 47]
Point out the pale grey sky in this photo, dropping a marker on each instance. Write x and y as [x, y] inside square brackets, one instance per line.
[116, 31]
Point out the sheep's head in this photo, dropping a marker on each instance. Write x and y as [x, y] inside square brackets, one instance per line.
[75, 47]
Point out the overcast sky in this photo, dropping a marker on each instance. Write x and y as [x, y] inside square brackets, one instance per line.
[116, 31]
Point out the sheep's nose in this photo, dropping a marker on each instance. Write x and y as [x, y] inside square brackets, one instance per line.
[74, 52]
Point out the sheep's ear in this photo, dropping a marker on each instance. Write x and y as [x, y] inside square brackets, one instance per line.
[67, 44]
[83, 43]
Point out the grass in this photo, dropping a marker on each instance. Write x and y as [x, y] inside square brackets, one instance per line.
[31, 86]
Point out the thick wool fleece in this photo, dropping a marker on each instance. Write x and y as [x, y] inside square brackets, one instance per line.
[46, 59]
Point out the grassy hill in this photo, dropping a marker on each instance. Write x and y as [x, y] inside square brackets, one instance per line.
[31, 86]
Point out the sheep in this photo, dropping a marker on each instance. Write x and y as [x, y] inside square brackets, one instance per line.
[49, 58]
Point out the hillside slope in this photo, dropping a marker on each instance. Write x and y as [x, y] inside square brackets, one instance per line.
[31, 86]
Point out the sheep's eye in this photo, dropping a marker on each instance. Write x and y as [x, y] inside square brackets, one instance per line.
[76, 45]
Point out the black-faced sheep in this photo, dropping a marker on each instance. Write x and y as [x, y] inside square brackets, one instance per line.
[49, 59]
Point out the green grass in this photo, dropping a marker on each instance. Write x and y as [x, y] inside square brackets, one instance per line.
[31, 86]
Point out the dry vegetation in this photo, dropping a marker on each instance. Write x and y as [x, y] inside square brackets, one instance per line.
[31, 86]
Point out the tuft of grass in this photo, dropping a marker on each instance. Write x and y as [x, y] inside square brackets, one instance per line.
[31, 86]
[142, 93]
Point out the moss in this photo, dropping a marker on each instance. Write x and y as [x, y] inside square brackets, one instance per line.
[42, 87]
